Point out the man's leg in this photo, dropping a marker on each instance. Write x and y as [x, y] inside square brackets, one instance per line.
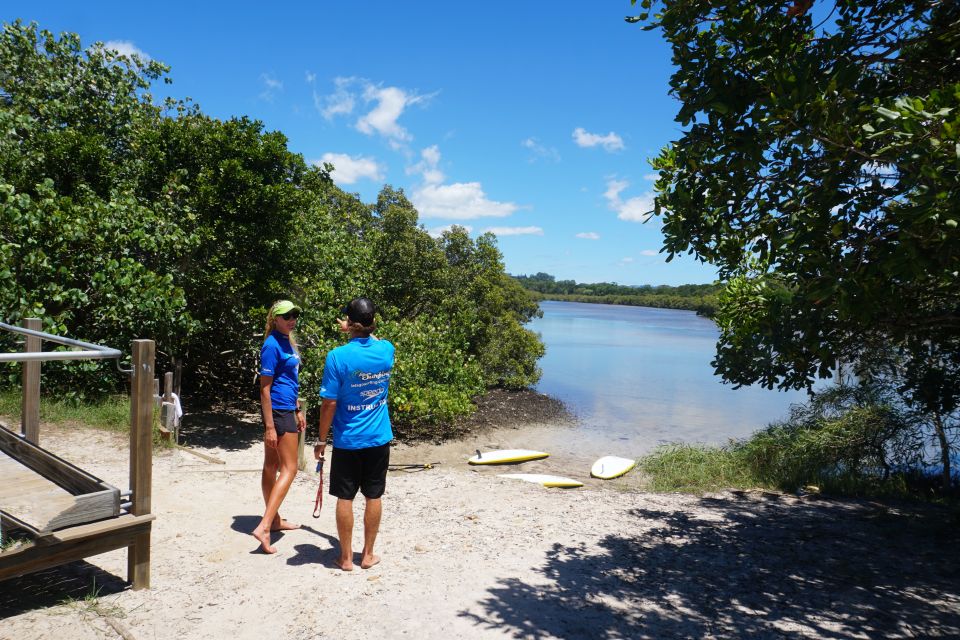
[345, 532]
[371, 525]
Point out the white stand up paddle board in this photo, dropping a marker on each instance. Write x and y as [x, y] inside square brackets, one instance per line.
[506, 456]
[609, 467]
[544, 479]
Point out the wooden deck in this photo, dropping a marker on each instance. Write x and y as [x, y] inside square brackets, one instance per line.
[68, 513]
[41, 493]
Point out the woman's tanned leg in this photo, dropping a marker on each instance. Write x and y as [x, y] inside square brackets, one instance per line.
[287, 454]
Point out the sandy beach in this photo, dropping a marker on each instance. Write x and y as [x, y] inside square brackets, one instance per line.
[471, 555]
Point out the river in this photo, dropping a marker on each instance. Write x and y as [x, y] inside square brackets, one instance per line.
[637, 377]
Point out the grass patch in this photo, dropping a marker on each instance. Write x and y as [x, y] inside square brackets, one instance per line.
[111, 413]
[91, 605]
[11, 542]
[696, 469]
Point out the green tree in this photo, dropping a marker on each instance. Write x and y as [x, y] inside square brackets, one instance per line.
[818, 170]
[80, 247]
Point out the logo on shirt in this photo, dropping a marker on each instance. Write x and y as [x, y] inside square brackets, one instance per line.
[367, 394]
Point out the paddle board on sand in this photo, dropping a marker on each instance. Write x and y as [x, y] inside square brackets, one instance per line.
[609, 467]
[544, 479]
[506, 456]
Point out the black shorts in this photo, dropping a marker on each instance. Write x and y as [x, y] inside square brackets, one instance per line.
[364, 469]
[284, 421]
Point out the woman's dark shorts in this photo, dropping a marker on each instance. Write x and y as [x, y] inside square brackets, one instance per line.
[284, 421]
[363, 469]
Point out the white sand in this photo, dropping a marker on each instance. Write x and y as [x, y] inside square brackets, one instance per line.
[467, 554]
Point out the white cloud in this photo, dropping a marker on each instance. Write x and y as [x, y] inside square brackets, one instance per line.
[382, 119]
[625, 261]
[636, 209]
[459, 201]
[652, 177]
[389, 103]
[349, 169]
[340, 102]
[540, 151]
[609, 142]
[126, 48]
[436, 232]
[514, 231]
[427, 167]
[589, 235]
[270, 81]
[271, 87]
[649, 252]
[311, 77]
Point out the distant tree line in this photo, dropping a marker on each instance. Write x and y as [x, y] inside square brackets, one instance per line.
[123, 219]
[691, 297]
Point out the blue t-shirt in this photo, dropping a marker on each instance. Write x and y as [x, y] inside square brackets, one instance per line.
[357, 376]
[278, 359]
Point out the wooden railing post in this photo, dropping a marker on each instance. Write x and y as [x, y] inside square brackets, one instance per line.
[141, 456]
[30, 407]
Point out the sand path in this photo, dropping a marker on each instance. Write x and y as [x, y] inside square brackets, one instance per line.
[467, 554]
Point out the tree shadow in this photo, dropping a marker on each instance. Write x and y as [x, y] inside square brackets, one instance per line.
[745, 566]
[228, 427]
[59, 585]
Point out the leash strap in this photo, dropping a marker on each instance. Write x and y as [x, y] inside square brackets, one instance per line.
[318, 504]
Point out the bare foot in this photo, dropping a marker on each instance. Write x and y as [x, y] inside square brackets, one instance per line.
[264, 538]
[368, 561]
[344, 565]
[283, 525]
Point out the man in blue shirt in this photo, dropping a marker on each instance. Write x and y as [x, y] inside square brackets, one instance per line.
[356, 378]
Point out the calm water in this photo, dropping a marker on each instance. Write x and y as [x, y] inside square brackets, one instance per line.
[637, 377]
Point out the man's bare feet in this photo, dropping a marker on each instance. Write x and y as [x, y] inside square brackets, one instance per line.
[264, 538]
[283, 525]
[344, 565]
[368, 561]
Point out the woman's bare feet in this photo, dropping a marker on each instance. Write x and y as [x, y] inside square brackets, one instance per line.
[279, 524]
[368, 560]
[264, 538]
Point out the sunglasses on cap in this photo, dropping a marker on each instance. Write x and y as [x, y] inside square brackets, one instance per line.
[290, 315]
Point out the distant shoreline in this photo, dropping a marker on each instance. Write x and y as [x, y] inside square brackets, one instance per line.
[700, 306]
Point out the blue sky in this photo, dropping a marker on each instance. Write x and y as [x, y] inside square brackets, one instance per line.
[534, 120]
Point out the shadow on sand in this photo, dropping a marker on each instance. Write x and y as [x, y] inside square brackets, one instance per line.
[232, 428]
[73, 582]
[746, 566]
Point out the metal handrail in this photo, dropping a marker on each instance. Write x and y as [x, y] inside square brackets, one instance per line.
[91, 351]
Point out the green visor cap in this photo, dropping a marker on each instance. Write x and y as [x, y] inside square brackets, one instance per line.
[284, 306]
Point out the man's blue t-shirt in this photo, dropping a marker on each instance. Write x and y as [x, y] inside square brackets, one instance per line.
[357, 376]
[278, 359]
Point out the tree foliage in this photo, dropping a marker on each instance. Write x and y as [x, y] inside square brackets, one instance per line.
[122, 219]
[690, 297]
[819, 170]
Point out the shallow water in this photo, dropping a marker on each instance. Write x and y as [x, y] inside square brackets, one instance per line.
[637, 377]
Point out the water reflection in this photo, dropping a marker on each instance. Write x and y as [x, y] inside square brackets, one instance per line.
[637, 376]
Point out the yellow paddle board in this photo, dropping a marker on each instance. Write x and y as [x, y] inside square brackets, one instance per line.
[609, 467]
[506, 456]
[544, 479]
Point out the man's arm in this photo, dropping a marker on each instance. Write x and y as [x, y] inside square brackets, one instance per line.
[327, 409]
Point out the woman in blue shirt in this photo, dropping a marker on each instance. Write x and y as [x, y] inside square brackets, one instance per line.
[282, 416]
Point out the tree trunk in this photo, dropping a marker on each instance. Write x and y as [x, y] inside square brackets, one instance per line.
[944, 450]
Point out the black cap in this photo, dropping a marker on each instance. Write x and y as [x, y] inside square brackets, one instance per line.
[361, 310]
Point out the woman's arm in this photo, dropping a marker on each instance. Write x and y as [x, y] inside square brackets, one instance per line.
[270, 431]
